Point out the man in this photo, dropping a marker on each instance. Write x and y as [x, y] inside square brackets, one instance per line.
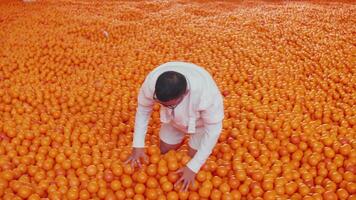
[191, 104]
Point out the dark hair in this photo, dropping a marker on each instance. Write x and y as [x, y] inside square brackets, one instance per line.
[170, 85]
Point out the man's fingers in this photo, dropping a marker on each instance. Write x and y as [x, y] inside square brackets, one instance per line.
[179, 171]
[138, 163]
[186, 185]
[192, 183]
[183, 186]
[177, 182]
[145, 158]
[128, 160]
[133, 162]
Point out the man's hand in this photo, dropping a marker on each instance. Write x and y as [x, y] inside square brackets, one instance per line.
[187, 178]
[137, 155]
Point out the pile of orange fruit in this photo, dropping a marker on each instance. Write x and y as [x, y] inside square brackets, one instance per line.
[70, 73]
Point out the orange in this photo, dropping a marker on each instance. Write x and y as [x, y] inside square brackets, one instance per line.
[117, 169]
[240, 175]
[221, 171]
[154, 158]
[91, 170]
[115, 185]
[151, 194]
[73, 193]
[244, 189]
[151, 170]
[329, 195]
[215, 194]
[110, 196]
[257, 191]
[151, 182]
[201, 176]
[172, 166]
[227, 196]
[235, 194]
[138, 197]
[129, 192]
[162, 170]
[34, 197]
[194, 186]
[216, 181]
[153, 149]
[342, 193]
[234, 183]
[224, 188]
[24, 191]
[126, 181]
[183, 195]
[128, 170]
[172, 195]
[139, 188]
[269, 195]
[193, 196]
[93, 187]
[204, 192]
[141, 177]
[120, 194]
[167, 186]
[345, 149]
[173, 177]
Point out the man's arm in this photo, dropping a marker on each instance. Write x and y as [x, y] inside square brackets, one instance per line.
[145, 104]
[212, 117]
[208, 142]
[143, 114]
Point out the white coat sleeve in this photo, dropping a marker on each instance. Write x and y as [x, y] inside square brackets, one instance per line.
[209, 140]
[143, 113]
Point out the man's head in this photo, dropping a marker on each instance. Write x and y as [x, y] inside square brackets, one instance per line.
[170, 88]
